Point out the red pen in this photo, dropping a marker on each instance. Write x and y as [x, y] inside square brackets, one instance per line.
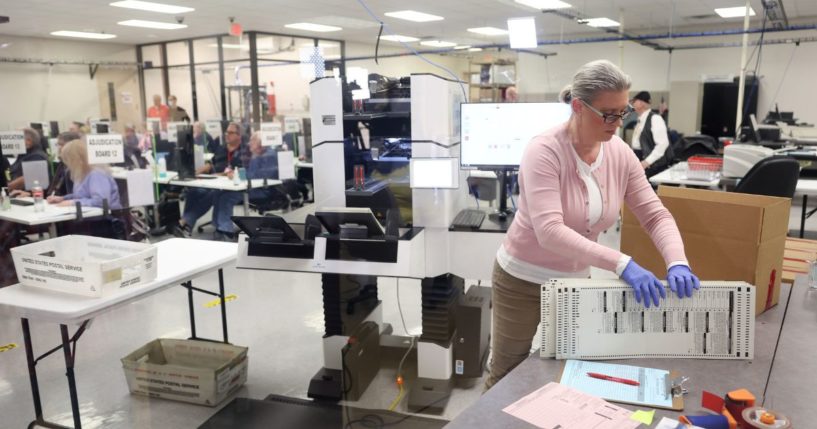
[615, 379]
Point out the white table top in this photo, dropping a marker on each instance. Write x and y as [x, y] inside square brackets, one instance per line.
[179, 259]
[222, 183]
[676, 175]
[806, 186]
[303, 164]
[26, 215]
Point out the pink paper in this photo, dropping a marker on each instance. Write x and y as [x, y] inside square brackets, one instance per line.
[555, 405]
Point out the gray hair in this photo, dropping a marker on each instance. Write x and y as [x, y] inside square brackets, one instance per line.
[595, 77]
[68, 136]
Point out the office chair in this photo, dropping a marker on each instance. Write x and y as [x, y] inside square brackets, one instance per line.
[775, 176]
[483, 188]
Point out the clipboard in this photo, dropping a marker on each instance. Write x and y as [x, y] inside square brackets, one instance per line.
[674, 386]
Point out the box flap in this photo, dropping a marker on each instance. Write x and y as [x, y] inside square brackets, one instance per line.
[748, 200]
[776, 220]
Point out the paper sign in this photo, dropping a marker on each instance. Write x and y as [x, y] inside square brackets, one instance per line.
[173, 131]
[213, 128]
[292, 124]
[286, 165]
[140, 187]
[13, 142]
[271, 134]
[105, 149]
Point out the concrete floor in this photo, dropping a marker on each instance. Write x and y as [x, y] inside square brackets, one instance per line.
[277, 315]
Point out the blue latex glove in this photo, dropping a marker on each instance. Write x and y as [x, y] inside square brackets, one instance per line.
[643, 283]
[682, 281]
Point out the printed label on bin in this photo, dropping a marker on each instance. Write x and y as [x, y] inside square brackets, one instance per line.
[105, 149]
[13, 142]
[41, 270]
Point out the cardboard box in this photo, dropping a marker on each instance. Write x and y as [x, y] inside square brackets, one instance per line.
[727, 236]
[199, 372]
[796, 257]
[85, 265]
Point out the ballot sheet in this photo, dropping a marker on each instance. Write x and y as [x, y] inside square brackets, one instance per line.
[600, 319]
[558, 406]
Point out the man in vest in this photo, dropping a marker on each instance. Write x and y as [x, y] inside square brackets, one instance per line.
[650, 139]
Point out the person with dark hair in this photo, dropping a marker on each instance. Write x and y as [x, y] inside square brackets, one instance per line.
[235, 154]
[573, 181]
[34, 152]
[61, 183]
[650, 139]
[177, 114]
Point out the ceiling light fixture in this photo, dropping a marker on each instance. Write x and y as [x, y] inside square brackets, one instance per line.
[488, 31]
[308, 26]
[474, 49]
[152, 24]
[522, 33]
[599, 22]
[152, 7]
[413, 15]
[461, 47]
[82, 34]
[438, 43]
[545, 4]
[734, 12]
[398, 38]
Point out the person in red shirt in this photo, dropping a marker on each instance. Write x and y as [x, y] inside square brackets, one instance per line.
[159, 110]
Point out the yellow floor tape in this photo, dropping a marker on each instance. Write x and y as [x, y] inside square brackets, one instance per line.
[7, 347]
[216, 302]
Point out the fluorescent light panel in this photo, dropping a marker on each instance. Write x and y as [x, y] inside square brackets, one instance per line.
[545, 4]
[82, 34]
[308, 26]
[437, 43]
[601, 22]
[399, 38]
[488, 31]
[522, 33]
[152, 7]
[413, 15]
[734, 12]
[474, 49]
[152, 24]
[462, 47]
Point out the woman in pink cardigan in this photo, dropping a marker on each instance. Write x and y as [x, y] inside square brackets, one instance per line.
[572, 181]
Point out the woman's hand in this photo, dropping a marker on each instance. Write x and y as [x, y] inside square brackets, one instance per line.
[53, 199]
[682, 281]
[65, 203]
[643, 283]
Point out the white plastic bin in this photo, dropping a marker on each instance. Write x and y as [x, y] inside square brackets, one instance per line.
[84, 265]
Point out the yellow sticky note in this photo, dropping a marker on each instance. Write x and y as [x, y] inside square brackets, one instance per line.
[642, 416]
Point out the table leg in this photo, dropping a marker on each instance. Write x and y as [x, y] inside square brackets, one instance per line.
[52, 230]
[803, 215]
[69, 372]
[246, 203]
[189, 286]
[32, 372]
[223, 304]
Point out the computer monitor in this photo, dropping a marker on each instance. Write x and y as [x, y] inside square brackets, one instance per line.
[54, 129]
[434, 173]
[185, 152]
[494, 135]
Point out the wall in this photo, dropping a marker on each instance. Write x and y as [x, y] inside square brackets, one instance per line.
[36, 92]
[541, 79]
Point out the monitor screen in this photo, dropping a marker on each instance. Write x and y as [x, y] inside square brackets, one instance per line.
[434, 173]
[495, 134]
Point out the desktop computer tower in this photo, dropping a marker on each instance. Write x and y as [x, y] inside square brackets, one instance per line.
[473, 322]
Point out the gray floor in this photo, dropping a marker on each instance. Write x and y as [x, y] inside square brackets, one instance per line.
[277, 315]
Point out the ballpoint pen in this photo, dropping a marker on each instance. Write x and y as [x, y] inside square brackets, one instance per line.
[614, 379]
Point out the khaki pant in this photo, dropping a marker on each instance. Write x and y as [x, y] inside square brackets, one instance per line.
[516, 314]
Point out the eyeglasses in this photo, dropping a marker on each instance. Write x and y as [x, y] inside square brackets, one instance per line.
[609, 118]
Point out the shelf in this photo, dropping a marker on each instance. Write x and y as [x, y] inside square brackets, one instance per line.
[370, 116]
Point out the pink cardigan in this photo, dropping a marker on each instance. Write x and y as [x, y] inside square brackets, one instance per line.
[551, 227]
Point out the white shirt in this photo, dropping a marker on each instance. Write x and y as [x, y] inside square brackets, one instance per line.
[659, 135]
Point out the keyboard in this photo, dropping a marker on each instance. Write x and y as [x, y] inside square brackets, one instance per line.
[20, 202]
[468, 218]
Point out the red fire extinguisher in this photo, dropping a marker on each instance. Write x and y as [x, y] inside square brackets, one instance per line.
[271, 98]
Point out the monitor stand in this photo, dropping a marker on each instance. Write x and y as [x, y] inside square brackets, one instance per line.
[503, 214]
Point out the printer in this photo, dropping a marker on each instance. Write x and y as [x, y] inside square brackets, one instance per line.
[738, 159]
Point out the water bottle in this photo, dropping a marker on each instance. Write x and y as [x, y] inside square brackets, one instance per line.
[237, 176]
[5, 201]
[37, 193]
[162, 168]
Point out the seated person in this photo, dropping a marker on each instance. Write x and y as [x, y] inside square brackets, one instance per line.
[225, 159]
[61, 183]
[133, 155]
[34, 152]
[263, 164]
[203, 139]
[92, 185]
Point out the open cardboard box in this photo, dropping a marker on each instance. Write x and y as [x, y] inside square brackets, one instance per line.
[727, 236]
